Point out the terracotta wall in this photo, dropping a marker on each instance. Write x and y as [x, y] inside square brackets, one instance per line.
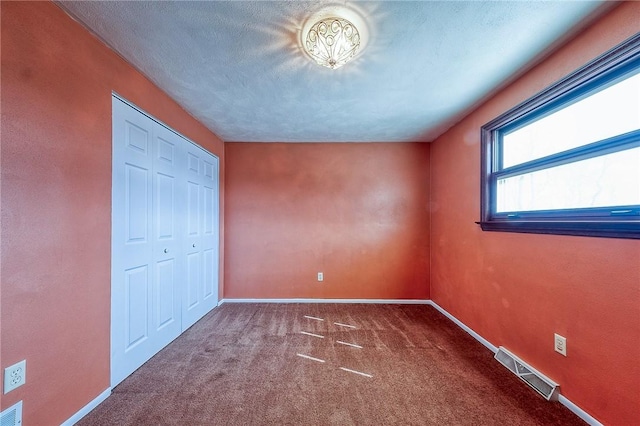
[356, 212]
[516, 290]
[56, 82]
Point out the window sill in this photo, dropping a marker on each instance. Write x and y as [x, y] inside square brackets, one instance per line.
[607, 229]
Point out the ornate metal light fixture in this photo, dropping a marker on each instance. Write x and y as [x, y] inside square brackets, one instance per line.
[332, 42]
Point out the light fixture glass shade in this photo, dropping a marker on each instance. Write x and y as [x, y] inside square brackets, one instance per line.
[332, 42]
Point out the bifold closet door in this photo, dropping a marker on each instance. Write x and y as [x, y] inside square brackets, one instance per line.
[147, 264]
[165, 237]
[200, 293]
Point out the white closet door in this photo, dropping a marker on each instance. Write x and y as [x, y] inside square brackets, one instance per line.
[165, 238]
[210, 231]
[200, 294]
[168, 201]
[146, 262]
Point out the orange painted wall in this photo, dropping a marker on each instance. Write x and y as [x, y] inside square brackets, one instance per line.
[56, 87]
[516, 290]
[356, 212]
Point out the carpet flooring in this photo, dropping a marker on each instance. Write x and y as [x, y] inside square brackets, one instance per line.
[325, 364]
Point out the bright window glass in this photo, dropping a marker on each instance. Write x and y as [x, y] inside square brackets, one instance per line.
[612, 111]
[608, 180]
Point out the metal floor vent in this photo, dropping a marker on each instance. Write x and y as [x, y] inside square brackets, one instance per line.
[12, 416]
[540, 383]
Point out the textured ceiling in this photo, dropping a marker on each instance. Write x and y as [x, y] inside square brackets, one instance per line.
[238, 68]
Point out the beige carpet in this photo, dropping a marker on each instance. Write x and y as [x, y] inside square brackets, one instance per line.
[265, 364]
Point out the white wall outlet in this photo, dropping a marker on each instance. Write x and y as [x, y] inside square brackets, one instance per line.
[15, 376]
[320, 276]
[560, 344]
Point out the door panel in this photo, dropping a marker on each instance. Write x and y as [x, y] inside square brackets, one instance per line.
[202, 233]
[137, 203]
[208, 211]
[137, 138]
[144, 313]
[167, 255]
[208, 170]
[131, 255]
[165, 214]
[193, 280]
[165, 150]
[211, 229]
[194, 163]
[193, 206]
[209, 279]
[167, 203]
[137, 290]
[165, 280]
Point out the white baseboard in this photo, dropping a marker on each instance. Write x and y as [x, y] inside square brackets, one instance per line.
[301, 300]
[578, 411]
[85, 410]
[561, 399]
[463, 326]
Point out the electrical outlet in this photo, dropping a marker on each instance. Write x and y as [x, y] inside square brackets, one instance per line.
[560, 344]
[320, 276]
[15, 376]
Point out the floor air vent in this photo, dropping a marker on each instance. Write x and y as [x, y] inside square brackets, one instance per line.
[12, 416]
[543, 385]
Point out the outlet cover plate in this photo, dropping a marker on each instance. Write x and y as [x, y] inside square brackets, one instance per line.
[320, 276]
[560, 344]
[15, 376]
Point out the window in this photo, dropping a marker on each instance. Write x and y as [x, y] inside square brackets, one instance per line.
[567, 161]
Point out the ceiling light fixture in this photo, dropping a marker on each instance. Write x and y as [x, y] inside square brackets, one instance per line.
[332, 42]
